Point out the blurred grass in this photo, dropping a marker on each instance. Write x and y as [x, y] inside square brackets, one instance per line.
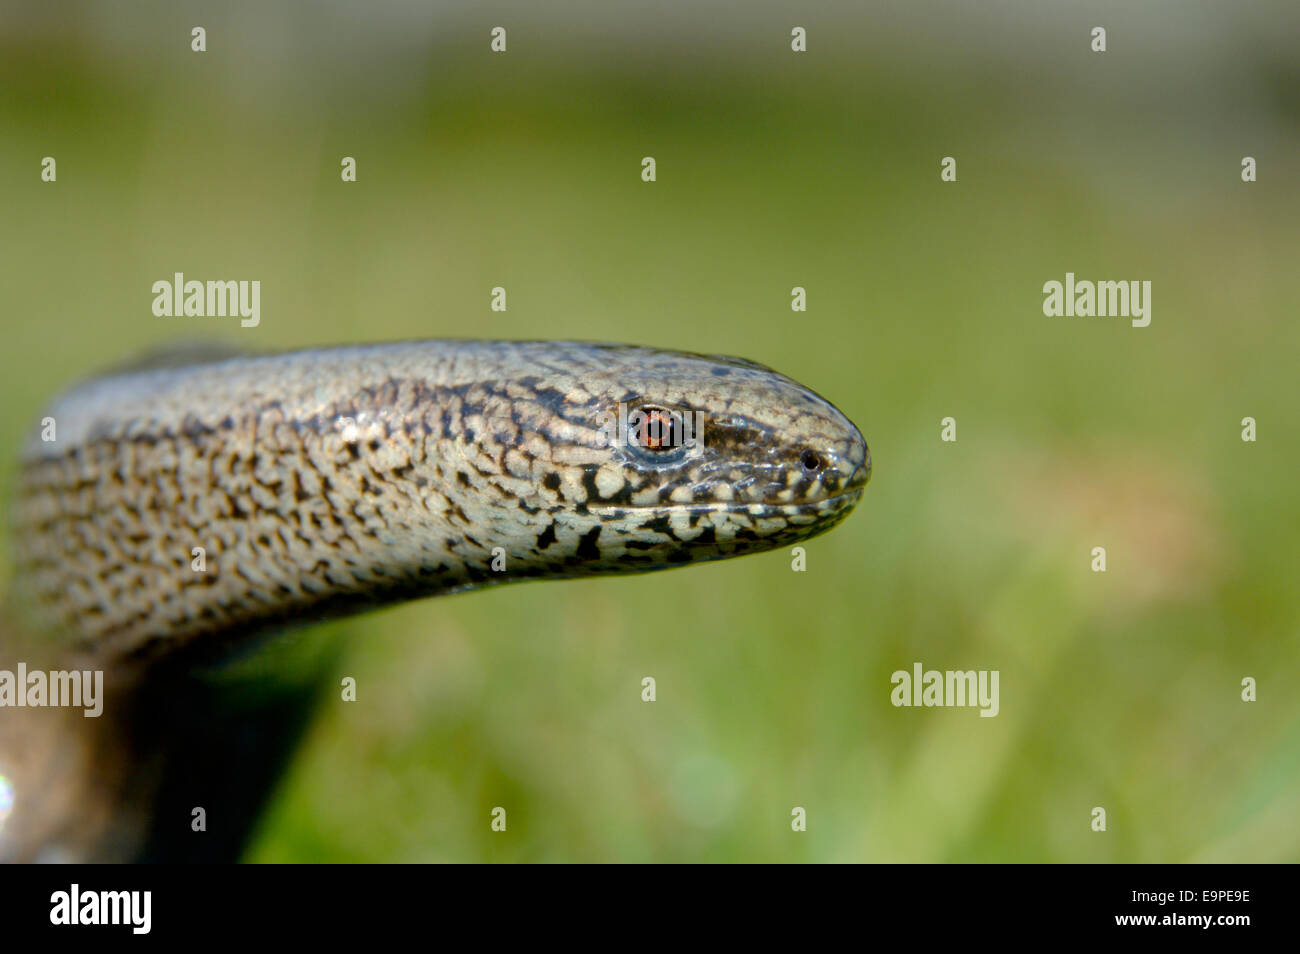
[1119, 690]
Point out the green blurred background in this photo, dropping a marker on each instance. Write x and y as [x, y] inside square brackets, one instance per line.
[1119, 690]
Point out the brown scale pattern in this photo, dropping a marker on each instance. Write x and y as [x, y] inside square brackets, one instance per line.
[454, 448]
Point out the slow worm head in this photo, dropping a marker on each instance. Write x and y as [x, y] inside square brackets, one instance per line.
[185, 505]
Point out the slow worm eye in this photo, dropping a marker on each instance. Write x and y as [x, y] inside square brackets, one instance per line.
[811, 461]
[655, 429]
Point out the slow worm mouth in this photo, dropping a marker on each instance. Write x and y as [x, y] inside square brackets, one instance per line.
[835, 504]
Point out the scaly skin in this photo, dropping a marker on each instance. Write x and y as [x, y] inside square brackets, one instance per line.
[322, 482]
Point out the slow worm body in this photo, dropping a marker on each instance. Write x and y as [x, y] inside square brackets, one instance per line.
[178, 511]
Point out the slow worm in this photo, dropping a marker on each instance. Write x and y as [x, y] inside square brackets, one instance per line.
[172, 514]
